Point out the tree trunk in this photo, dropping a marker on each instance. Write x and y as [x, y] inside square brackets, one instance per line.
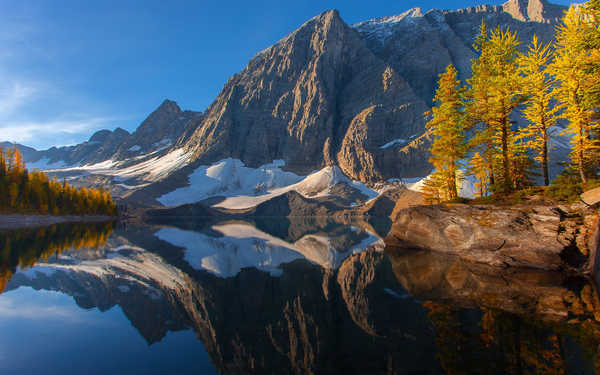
[505, 159]
[453, 191]
[490, 162]
[545, 159]
[581, 163]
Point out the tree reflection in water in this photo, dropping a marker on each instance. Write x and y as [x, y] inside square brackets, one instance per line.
[23, 248]
[490, 320]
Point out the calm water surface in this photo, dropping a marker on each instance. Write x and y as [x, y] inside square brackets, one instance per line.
[277, 296]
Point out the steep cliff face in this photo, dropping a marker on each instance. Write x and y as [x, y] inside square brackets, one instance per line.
[420, 45]
[316, 98]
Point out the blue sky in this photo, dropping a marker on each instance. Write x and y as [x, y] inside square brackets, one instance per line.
[69, 68]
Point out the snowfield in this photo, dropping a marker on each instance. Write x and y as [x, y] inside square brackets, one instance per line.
[150, 170]
[245, 187]
[44, 164]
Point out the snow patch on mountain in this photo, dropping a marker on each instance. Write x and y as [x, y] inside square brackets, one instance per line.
[152, 169]
[45, 164]
[245, 187]
[230, 177]
[393, 143]
[383, 28]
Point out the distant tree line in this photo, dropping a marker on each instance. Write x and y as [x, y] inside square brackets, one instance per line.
[25, 191]
[473, 125]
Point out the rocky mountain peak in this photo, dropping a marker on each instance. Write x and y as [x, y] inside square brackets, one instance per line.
[100, 136]
[120, 132]
[533, 10]
[166, 113]
[318, 97]
[376, 24]
[168, 106]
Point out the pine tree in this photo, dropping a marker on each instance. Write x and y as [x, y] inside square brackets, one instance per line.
[569, 67]
[479, 169]
[591, 45]
[491, 99]
[538, 86]
[447, 123]
[478, 101]
[503, 54]
[433, 189]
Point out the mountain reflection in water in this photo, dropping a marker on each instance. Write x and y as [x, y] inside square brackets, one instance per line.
[281, 296]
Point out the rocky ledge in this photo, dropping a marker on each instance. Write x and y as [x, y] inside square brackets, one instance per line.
[541, 237]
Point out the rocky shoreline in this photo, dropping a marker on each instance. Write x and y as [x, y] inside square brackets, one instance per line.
[558, 238]
[17, 221]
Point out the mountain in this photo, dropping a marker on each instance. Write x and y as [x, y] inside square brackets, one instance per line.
[327, 97]
[318, 97]
[420, 46]
[155, 134]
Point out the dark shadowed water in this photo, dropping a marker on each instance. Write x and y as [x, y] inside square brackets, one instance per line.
[277, 296]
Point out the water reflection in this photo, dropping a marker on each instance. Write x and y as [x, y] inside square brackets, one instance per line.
[502, 320]
[230, 247]
[25, 247]
[310, 296]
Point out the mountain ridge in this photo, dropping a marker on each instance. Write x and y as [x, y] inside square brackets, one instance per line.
[327, 94]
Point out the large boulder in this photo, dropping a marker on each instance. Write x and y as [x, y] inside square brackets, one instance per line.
[542, 237]
[591, 197]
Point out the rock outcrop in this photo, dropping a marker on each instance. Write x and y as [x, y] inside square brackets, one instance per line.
[549, 238]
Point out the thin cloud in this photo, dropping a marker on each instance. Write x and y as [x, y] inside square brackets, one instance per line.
[36, 132]
[14, 96]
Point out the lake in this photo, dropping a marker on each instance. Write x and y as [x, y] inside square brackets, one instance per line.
[277, 296]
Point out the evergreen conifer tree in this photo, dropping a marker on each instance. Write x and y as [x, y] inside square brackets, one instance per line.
[447, 124]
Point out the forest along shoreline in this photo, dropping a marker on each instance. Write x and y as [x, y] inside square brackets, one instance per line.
[17, 221]
[32, 199]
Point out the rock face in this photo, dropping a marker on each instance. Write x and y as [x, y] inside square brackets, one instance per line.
[318, 97]
[533, 237]
[352, 96]
[420, 46]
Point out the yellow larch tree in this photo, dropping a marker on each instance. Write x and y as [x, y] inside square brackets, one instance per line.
[570, 68]
[540, 111]
[448, 127]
